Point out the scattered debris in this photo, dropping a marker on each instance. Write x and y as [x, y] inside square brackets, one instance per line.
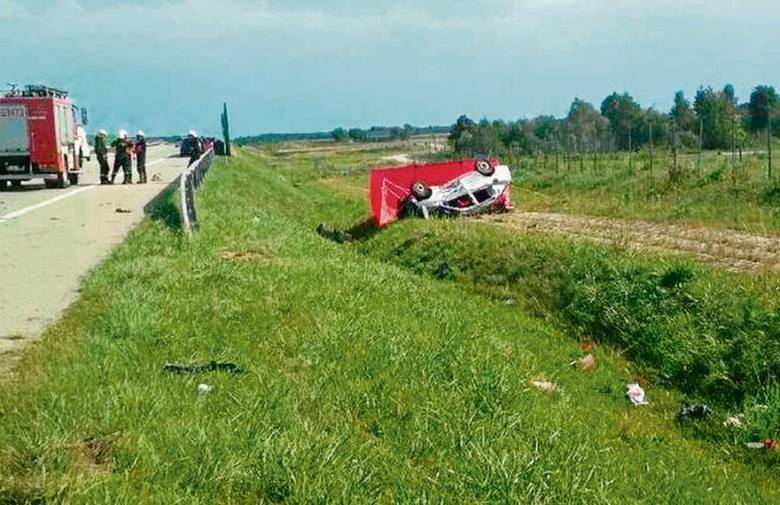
[587, 345]
[333, 234]
[156, 178]
[211, 366]
[509, 302]
[546, 387]
[737, 421]
[768, 444]
[443, 271]
[120, 210]
[204, 389]
[585, 363]
[688, 411]
[636, 394]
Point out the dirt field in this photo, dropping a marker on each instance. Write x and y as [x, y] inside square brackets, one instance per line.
[727, 249]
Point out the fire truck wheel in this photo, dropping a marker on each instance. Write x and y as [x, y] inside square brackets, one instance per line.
[61, 182]
[421, 191]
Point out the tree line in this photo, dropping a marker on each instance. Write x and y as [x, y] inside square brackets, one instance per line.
[714, 120]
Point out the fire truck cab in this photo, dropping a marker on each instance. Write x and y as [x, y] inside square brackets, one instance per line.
[38, 137]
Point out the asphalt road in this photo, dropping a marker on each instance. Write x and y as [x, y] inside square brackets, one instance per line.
[49, 239]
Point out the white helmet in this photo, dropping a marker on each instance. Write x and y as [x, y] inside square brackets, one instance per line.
[193, 133]
[122, 134]
[102, 133]
[140, 134]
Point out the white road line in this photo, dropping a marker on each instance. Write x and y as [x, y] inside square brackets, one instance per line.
[59, 198]
[46, 203]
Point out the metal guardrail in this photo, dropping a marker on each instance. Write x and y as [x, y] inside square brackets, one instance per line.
[189, 182]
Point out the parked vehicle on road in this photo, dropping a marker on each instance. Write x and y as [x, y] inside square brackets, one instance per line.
[187, 146]
[38, 137]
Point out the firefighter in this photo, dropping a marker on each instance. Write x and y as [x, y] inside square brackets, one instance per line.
[197, 149]
[140, 156]
[123, 158]
[101, 151]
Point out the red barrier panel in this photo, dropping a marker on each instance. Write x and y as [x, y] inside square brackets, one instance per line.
[389, 187]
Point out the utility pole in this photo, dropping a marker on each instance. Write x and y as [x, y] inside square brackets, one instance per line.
[630, 147]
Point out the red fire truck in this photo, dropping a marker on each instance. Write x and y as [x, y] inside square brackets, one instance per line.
[38, 137]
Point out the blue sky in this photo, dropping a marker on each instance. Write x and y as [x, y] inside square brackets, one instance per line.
[303, 65]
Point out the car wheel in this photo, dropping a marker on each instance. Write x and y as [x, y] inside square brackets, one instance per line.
[421, 191]
[16, 184]
[3, 185]
[484, 167]
[73, 179]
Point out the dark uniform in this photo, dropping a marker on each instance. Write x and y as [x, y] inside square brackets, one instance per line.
[101, 151]
[197, 150]
[140, 159]
[123, 159]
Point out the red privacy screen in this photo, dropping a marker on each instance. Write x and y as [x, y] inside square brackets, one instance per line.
[389, 187]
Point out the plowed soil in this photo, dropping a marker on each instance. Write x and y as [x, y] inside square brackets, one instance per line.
[726, 249]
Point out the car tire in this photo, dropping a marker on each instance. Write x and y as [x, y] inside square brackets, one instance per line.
[73, 179]
[16, 184]
[484, 167]
[3, 185]
[421, 191]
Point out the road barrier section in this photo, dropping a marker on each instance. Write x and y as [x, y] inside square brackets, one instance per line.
[189, 182]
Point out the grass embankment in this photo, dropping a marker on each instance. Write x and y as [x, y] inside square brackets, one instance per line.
[363, 381]
[717, 195]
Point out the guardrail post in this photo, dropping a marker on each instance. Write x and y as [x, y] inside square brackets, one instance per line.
[189, 181]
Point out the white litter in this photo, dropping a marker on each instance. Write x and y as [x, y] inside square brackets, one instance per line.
[636, 394]
[755, 445]
[204, 389]
[737, 421]
[545, 386]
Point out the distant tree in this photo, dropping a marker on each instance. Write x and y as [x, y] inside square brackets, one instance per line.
[339, 134]
[763, 101]
[728, 92]
[515, 138]
[623, 114]
[356, 134]
[407, 131]
[584, 121]
[715, 111]
[544, 127]
[463, 127]
[682, 113]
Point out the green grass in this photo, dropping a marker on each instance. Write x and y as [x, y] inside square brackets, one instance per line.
[716, 196]
[364, 381]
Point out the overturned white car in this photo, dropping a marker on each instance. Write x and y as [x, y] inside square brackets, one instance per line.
[462, 187]
[483, 189]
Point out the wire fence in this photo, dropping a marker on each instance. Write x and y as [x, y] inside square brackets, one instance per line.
[189, 182]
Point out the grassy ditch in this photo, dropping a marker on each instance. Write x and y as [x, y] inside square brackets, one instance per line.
[361, 381]
[714, 336]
